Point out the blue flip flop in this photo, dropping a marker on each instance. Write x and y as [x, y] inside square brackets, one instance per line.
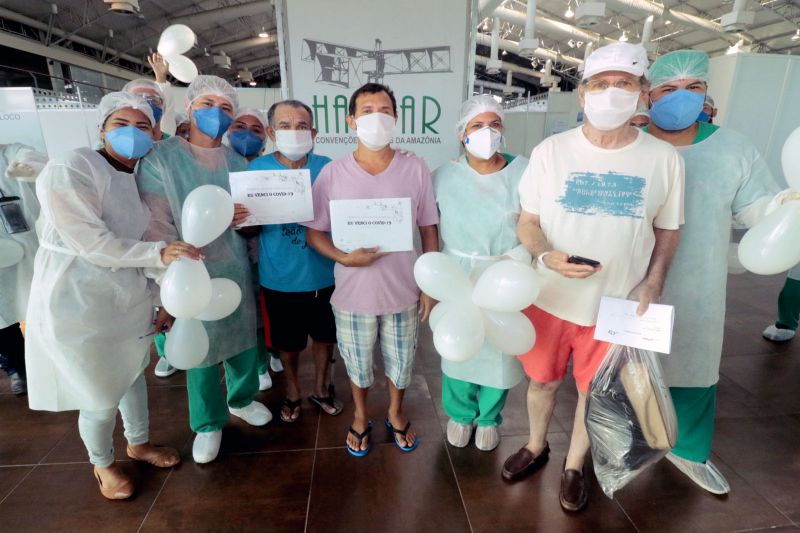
[360, 437]
[396, 432]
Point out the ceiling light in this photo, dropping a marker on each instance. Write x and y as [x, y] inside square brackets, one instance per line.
[796, 36]
[263, 33]
[571, 43]
[624, 37]
[569, 13]
[504, 52]
[667, 22]
[253, 83]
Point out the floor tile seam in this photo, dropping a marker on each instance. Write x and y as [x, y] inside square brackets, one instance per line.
[313, 470]
[153, 503]
[59, 441]
[630, 519]
[21, 481]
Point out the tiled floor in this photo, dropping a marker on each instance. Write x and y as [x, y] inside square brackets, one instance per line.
[299, 477]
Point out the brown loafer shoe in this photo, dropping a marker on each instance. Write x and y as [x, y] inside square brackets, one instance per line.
[524, 463]
[574, 492]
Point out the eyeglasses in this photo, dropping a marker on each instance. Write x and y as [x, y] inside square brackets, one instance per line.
[155, 100]
[597, 86]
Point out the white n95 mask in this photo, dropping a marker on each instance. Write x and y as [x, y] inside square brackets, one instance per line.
[375, 130]
[294, 144]
[610, 109]
[483, 143]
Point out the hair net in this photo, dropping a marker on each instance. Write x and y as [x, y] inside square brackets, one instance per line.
[204, 85]
[482, 103]
[181, 117]
[679, 65]
[252, 112]
[143, 83]
[121, 100]
[642, 111]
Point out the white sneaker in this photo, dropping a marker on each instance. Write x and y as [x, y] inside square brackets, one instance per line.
[705, 474]
[255, 413]
[487, 438]
[163, 368]
[206, 446]
[776, 334]
[458, 434]
[264, 381]
[275, 365]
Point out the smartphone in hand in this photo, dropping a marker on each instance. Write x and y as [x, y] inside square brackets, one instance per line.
[578, 260]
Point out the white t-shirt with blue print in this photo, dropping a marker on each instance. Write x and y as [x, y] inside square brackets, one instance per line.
[286, 262]
[601, 204]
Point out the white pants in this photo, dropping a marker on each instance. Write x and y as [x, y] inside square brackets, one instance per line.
[97, 427]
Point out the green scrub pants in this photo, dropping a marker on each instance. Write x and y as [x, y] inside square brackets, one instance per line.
[208, 410]
[695, 409]
[789, 305]
[466, 402]
[160, 341]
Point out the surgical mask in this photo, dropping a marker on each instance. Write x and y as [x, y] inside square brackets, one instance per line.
[157, 111]
[129, 142]
[483, 143]
[677, 110]
[212, 121]
[704, 117]
[610, 109]
[294, 144]
[375, 130]
[245, 142]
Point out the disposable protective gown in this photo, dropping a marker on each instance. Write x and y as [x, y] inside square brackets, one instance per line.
[725, 177]
[90, 305]
[166, 176]
[478, 225]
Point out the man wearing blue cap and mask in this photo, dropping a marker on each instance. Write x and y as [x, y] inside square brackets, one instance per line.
[725, 177]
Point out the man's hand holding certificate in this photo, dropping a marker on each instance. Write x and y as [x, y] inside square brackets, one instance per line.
[618, 323]
[384, 223]
[274, 196]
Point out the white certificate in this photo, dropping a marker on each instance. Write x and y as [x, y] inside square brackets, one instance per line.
[381, 222]
[618, 323]
[274, 196]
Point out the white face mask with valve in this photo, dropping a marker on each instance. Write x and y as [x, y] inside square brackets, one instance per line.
[484, 143]
[293, 144]
[610, 109]
[375, 130]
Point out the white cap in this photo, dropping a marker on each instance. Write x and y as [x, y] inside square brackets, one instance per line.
[120, 100]
[211, 85]
[477, 105]
[622, 57]
[252, 112]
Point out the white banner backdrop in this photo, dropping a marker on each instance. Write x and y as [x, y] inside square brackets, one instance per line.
[19, 121]
[423, 50]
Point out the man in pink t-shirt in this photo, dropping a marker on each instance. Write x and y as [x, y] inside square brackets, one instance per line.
[376, 296]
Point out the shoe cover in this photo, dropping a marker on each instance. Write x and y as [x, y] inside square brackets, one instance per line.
[458, 434]
[705, 474]
[487, 438]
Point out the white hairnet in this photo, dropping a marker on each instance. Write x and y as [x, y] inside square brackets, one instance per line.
[204, 85]
[143, 83]
[679, 65]
[482, 103]
[642, 111]
[252, 112]
[121, 100]
[181, 117]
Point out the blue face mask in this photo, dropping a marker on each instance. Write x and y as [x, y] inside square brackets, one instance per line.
[129, 142]
[212, 121]
[704, 117]
[245, 142]
[157, 111]
[677, 110]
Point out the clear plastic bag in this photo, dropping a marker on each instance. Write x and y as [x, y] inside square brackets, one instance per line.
[630, 417]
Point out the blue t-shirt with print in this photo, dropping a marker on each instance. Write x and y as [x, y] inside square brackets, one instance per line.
[285, 262]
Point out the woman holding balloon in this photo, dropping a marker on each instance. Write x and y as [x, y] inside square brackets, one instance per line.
[479, 206]
[166, 178]
[90, 308]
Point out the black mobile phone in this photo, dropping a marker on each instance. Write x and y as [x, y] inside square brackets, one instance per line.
[578, 260]
[11, 215]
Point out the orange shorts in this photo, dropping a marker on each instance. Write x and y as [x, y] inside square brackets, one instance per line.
[556, 341]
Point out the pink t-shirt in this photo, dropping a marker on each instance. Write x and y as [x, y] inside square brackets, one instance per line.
[387, 286]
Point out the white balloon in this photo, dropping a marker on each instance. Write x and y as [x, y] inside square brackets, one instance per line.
[11, 253]
[773, 245]
[207, 213]
[790, 160]
[441, 278]
[187, 343]
[182, 68]
[734, 265]
[506, 286]
[459, 334]
[186, 288]
[511, 333]
[437, 313]
[176, 39]
[225, 298]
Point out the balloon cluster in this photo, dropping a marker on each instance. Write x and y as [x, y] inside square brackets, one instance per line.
[187, 291]
[467, 315]
[175, 41]
[773, 245]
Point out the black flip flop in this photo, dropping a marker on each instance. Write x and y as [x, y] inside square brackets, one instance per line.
[396, 432]
[326, 400]
[292, 405]
[360, 437]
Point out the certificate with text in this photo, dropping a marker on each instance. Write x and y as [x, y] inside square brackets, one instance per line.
[618, 323]
[382, 222]
[274, 196]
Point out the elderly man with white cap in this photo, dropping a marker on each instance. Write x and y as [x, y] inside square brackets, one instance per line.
[602, 205]
[173, 169]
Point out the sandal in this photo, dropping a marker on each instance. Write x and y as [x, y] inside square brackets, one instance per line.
[292, 405]
[164, 459]
[122, 491]
[360, 437]
[402, 432]
[329, 404]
